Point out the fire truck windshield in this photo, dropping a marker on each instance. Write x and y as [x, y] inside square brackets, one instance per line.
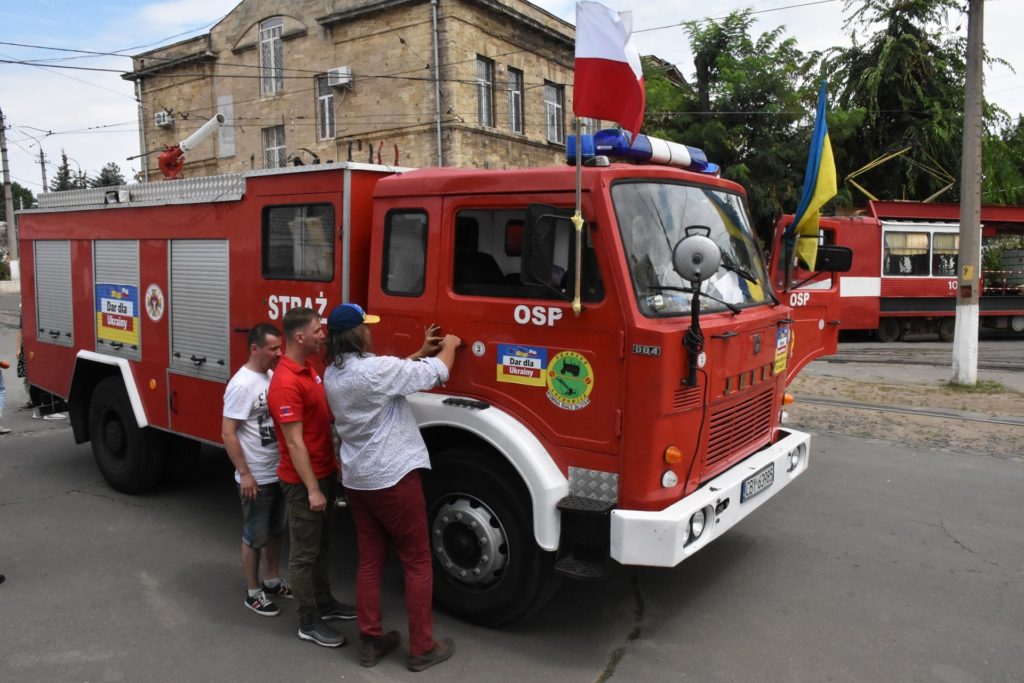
[653, 217]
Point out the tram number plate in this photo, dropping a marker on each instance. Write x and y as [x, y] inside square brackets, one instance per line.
[757, 483]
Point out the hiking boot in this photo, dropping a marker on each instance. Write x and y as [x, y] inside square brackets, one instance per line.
[336, 610]
[372, 650]
[320, 633]
[442, 651]
[261, 605]
[281, 590]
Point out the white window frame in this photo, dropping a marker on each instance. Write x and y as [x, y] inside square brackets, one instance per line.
[274, 150]
[554, 112]
[515, 101]
[324, 109]
[485, 91]
[271, 56]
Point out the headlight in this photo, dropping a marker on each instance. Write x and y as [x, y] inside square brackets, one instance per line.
[697, 524]
[669, 479]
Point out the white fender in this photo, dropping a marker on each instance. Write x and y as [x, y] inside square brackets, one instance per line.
[126, 375]
[520, 447]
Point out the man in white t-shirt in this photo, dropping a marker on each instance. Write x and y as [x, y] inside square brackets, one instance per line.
[248, 434]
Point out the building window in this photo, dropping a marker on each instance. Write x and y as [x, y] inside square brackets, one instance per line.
[405, 253]
[271, 69]
[324, 108]
[298, 242]
[554, 113]
[273, 147]
[588, 126]
[485, 91]
[515, 100]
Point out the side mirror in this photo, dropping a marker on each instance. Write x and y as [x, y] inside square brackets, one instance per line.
[696, 257]
[833, 259]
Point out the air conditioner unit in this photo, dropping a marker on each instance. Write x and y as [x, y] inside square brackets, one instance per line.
[340, 77]
[164, 119]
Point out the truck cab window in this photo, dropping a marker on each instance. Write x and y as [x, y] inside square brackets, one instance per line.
[298, 242]
[487, 259]
[405, 253]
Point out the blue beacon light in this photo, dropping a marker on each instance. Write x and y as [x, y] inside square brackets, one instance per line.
[617, 144]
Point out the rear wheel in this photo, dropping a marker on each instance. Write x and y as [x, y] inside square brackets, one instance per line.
[946, 329]
[889, 330]
[130, 458]
[488, 567]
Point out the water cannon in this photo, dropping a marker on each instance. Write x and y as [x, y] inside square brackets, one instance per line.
[172, 159]
[619, 144]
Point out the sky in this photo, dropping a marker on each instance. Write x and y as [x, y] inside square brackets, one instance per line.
[92, 115]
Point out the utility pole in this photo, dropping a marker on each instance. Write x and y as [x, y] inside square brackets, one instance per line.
[42, 166]
[965, 339]
[12, 234]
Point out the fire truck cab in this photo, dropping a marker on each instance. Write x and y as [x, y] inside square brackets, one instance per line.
[634, 427]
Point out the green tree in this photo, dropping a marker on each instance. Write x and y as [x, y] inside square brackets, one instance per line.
[906, 81]
[109, 176]
[65, 179]
[23, 199]
[746, 106]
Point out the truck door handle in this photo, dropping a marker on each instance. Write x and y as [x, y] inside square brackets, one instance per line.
[198, 360]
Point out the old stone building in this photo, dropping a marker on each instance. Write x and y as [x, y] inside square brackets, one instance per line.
[475, 83]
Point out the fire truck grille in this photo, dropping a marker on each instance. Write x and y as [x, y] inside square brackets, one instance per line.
[739, 426]
[687, 397]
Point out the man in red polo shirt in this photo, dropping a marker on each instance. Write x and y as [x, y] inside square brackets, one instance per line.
[309, 475]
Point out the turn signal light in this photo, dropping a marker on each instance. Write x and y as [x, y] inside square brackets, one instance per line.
[787, 399]
[673, 455]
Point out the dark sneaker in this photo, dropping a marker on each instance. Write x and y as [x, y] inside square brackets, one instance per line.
[281, 590]
[261, 605]
[372, 650]
[336, 610]
[442, 651]
[321, 634]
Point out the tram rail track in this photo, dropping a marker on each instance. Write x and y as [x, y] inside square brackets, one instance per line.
[922, 412]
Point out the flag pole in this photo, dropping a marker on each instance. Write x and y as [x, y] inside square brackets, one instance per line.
[577, 219]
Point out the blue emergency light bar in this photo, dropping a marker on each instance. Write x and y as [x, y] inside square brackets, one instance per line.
[617, 144]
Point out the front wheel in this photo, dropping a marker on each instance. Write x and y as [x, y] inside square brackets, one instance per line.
[889, 330]
[129, 457]
[488, 568]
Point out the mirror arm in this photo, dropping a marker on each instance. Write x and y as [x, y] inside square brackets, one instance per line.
[577, 221]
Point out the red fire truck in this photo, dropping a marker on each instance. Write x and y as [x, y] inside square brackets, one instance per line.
[638, 428]
[904, 276]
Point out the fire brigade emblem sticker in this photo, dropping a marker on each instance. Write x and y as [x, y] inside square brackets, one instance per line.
[154, 302]
[570, 380]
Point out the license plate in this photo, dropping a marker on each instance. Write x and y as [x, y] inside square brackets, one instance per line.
[757, 483]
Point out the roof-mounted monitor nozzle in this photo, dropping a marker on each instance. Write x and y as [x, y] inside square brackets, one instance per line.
[172, 159]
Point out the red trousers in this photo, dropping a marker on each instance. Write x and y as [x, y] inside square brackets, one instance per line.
[399, 514]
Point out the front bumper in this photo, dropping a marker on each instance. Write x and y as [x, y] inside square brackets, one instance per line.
[662, 538]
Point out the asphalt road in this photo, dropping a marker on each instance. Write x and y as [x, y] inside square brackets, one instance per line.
[880, 564]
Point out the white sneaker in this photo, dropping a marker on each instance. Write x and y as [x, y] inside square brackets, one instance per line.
[56, 416]
[4, 430]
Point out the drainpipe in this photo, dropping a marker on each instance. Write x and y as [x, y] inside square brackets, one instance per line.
[142, 132]
[437, 82]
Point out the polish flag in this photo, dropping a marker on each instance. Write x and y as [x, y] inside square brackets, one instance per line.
[609, 82]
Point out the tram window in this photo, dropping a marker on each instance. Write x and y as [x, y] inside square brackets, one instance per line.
[906, 254]
[944, 253]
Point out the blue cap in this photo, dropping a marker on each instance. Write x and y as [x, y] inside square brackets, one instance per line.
[348, 316]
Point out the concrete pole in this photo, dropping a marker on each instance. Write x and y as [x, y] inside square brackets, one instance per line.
[12, 233]
[42, 167]
[965, 340]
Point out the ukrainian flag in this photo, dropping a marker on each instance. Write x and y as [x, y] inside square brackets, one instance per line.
[819, 187]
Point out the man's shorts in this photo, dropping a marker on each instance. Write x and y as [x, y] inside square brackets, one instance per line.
[263, 516]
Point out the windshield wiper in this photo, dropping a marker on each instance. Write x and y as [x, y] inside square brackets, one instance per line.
[687, 290]
[746, 275]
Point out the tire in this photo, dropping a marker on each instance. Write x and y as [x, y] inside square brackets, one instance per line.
[946, 329]
[470, 508]
[129, 458]
[889, 330]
